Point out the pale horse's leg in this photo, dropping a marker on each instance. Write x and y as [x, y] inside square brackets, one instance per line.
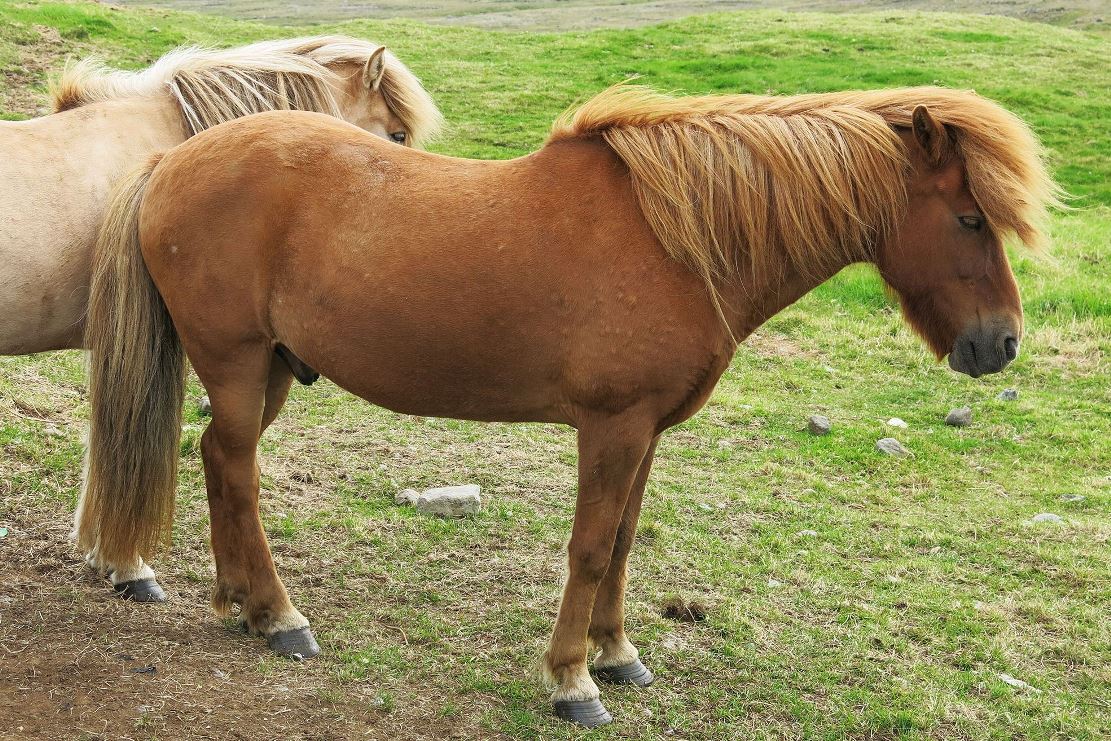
[133, 580]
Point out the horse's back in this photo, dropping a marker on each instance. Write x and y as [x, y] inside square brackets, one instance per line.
[55, 177]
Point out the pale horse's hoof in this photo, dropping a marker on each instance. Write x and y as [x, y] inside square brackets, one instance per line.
[140, 590]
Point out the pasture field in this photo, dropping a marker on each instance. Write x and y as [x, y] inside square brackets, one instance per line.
[566, 15]
[924, 579]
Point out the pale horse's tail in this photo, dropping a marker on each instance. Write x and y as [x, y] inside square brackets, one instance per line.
[136, 388]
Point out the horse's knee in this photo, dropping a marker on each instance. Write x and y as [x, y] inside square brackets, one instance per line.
[589, 563]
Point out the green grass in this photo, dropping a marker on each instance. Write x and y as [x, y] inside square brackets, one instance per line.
[925, 580]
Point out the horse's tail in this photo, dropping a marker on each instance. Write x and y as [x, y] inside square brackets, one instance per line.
[136, 388]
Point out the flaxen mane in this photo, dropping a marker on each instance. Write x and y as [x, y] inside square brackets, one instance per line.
[213, 86]
[813, 178]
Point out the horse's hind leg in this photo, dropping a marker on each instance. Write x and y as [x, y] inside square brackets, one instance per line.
[619, 661]
[245, 398]
[610, 454]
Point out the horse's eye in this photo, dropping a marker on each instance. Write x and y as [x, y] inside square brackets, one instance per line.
[972, 223]
[398, 136]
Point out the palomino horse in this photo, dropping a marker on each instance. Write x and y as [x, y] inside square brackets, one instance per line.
[57, 171]
[602, 282]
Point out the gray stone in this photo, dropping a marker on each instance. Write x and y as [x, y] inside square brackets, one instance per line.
[1007, 395]
[1072, 498]
[1046, 517]
[961, 417]
[819, 424]
[807, 533]
[407, 496]
[204, 406]
[450, 501]
[896, 422]
[891, 446]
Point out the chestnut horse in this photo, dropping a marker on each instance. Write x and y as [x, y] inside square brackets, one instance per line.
[602, 282]
[57, 172]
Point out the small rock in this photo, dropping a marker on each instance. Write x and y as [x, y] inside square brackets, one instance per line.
[204, 406]
[407, 497]
[220, 673]
[774, 584]
[819, 424]
[1007, 395]
[891, 446]
[1017, 683]
[807, 533]
[1046, 517]
[1072, 498]
[896, 422]
[451, 501]
[961, 417]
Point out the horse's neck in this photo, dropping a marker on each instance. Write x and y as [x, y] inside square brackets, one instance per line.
[752, 299]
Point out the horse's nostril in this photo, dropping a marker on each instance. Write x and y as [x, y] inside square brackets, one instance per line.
[1010, 346]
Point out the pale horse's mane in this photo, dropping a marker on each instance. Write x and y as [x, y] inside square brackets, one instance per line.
[815, 179]
[212, 86]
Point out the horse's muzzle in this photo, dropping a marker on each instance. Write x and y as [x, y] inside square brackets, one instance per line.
[978, 351]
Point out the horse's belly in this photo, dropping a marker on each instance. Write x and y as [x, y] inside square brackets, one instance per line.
[43, 291]
[433, 370]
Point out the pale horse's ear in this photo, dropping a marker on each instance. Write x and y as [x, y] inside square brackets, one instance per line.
[374, 69]
[931, 136]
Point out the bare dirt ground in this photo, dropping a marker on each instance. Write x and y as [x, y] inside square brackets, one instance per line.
[151, 671]
[567, 15]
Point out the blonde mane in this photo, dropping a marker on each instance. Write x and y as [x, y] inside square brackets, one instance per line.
[818, 179]
[212, 86]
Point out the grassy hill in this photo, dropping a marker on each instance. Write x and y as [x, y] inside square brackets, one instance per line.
[925, 582]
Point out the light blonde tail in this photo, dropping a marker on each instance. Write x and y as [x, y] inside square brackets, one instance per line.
[136, 388]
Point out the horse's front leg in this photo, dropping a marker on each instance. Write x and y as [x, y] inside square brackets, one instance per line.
[610, 454]
[133, 580]
[618, 660]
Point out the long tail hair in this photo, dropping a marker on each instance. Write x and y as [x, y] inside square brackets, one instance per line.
[136, 388]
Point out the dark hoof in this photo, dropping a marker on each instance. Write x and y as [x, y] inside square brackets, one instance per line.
[140, 590]
[296, 644]
[632, 673]
[589, 713]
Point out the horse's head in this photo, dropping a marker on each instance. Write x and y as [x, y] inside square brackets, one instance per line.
[947, 264]
[383, 97]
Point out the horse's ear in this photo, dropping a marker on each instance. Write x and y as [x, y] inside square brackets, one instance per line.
[931, 136]
[374, 69]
